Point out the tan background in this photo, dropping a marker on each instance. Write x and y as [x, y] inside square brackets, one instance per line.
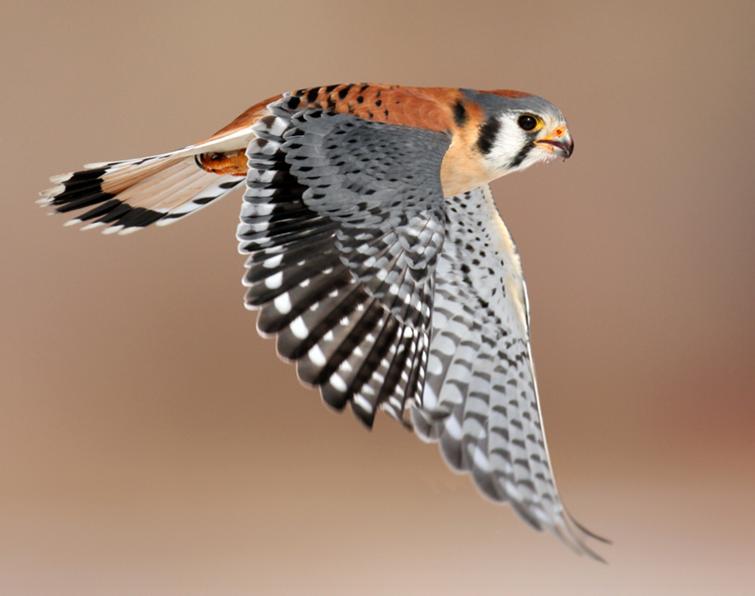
[151, 442]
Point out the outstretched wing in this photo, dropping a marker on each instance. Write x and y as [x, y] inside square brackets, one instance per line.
[386, 293]
[343, 220]
[480, 400]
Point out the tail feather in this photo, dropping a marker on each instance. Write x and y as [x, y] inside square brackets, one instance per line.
[128, 195]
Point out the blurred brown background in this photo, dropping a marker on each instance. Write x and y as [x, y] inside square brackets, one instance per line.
[151, 442]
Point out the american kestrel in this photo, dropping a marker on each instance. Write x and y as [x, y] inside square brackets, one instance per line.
[377, 257]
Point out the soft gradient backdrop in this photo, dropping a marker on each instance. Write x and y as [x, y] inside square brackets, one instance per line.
[152, 443]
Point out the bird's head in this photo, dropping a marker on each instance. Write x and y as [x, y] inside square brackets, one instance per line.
[519, 131]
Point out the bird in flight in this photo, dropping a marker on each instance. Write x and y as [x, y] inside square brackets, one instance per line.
[377, 257]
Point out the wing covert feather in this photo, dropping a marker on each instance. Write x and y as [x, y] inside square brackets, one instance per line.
[343, 220]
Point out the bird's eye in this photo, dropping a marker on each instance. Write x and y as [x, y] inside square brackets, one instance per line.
[528, 122]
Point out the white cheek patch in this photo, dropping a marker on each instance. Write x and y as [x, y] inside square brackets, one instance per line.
[508, 144]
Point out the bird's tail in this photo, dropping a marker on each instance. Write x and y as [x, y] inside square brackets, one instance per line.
[125, 196]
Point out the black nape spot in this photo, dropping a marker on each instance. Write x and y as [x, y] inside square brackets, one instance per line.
[488, 133]
[293, 102]
[312, 94]
[460, 113]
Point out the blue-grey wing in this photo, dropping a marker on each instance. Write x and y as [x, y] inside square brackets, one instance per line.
[480, 400]
[343, 220]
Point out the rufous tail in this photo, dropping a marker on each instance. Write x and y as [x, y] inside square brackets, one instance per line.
[125, 196]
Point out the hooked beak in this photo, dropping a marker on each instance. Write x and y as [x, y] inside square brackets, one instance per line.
[560, 140]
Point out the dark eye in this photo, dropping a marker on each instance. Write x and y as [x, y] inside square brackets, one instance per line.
[527, 122]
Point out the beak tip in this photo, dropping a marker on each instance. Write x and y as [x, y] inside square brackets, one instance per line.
[566, 147]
